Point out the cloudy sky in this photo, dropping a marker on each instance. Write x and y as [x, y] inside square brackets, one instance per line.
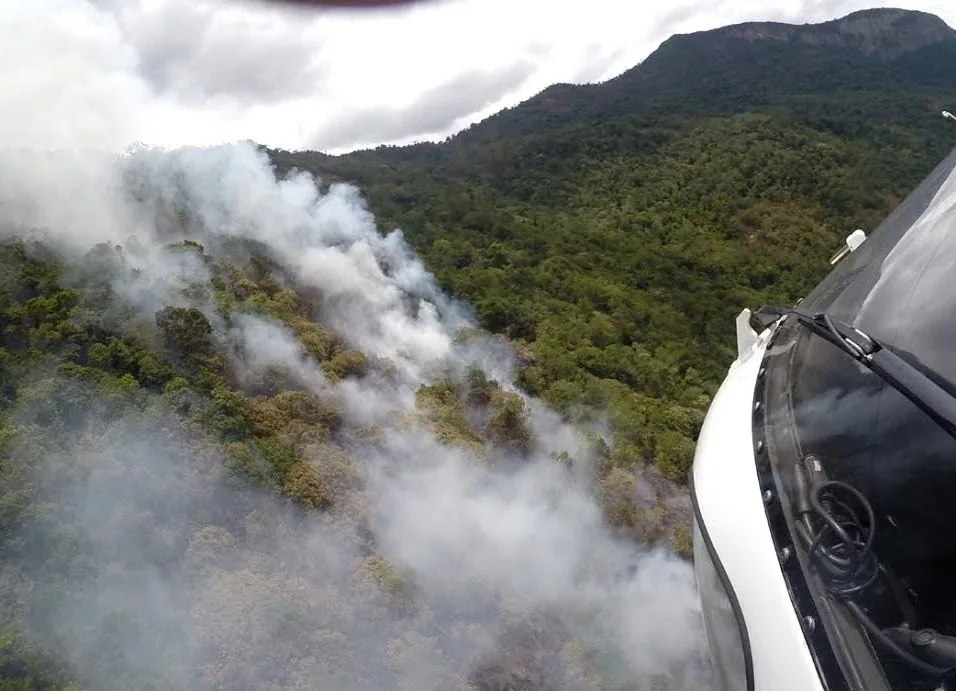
[169, 72]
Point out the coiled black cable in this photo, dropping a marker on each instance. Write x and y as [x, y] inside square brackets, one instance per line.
[841, 551]
[843, 548]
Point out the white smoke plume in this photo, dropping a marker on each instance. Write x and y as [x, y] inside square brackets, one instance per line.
[265, 343]
[146, 566]
[375, 290]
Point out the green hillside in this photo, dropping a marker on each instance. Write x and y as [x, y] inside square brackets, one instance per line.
[129, 447]
[615, 230]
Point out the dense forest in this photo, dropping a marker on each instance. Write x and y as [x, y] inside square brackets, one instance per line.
[249, 444]
[613, 231]
[250, 440]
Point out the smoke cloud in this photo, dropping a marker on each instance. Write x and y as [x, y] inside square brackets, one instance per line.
[196, 583]
[428, 565]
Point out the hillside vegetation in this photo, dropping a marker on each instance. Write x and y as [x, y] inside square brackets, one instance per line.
[615, 230]
[253, 447]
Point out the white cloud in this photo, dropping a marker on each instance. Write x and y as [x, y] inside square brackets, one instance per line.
[69, 77]
[434, 112]
[206, 50]
[170, 72]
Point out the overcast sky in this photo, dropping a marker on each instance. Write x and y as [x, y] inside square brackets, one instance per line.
[170, 72]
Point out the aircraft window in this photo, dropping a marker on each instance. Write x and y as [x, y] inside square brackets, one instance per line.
[723, 629]
[896, 286]
[847, 287]
[876, 467]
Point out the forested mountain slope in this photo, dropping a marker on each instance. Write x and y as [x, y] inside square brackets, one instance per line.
[247, 443]
[614, 230]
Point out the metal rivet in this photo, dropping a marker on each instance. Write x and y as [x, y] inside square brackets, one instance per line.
[762, 372]
[760, 446]
[809, 624]
[767, 497]
[784, 555]
[757, 406]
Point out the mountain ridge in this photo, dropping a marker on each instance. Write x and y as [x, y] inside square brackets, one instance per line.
[885, 33]
[884, 46]
[872, 49]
